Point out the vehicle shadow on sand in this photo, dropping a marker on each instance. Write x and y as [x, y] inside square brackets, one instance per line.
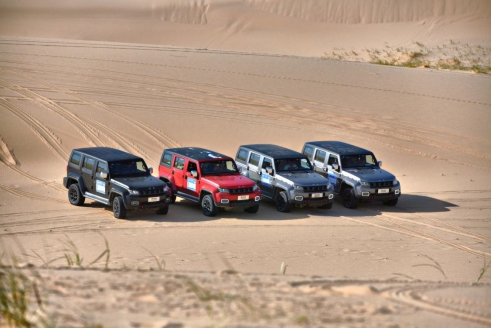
[184, 211]
[408, 203]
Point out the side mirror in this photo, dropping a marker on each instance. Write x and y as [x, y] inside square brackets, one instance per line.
[335, 166]
[270, 171]
[150, 169]
[103, 175]
[194, 173]
[380, 163]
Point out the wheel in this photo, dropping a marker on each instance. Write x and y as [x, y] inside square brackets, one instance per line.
[326, 206]
[281, 202]
[163, 210]
[208, 206]
[75, 195]
[349, 199]
[173, 199]
[392, 202]
[252, 209]
[118, 208]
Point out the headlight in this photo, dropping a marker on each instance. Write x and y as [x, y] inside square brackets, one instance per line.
[364, 183]
[134, 192]
[395, 182]
[298, 187]
[223, 190]
[255, 187]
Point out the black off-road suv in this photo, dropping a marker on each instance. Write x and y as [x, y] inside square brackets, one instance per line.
[115, 178]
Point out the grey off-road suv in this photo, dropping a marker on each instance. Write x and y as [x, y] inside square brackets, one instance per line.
[354, 172]
[285, 176]
[115, 178]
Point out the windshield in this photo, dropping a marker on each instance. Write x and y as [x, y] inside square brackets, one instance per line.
[292, 164]
[134, 168]
[365, 160]
[218, 167]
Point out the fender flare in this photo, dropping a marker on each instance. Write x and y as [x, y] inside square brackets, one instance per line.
[78, 178]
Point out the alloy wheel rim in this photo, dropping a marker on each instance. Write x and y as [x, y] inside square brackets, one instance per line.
[73, 196]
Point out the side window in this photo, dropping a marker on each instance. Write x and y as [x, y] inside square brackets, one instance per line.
[89, 163]
[320, 155]
[167, 159]
[333, 159]
[267, 162]
[140, 166]
[242, 155]
[254, 159]
[179, 163]
[192, 166]
[308, 151]
[102, 167]
[75, 159]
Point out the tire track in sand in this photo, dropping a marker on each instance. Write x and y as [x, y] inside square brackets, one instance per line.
[42, 132]
[415, 296]
[402, 228]
[147, 129]
[83, 128]
[7, 158]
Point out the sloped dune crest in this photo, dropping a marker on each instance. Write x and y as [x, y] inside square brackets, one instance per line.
[372, 11]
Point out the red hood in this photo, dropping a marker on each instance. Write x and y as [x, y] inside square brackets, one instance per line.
[229, 181]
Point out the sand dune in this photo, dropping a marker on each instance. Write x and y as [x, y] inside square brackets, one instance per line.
[148, 75]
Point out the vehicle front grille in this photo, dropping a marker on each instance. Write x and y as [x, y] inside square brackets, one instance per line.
[315, 188]
[381, 184]
[241, 191]
[151, 191]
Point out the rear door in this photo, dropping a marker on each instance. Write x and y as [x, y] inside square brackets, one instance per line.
[320, 158]
[266, 182]
[253, 166]
[178, 172]
[88, 173]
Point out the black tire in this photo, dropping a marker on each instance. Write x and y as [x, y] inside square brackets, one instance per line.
[252, 209]
[349, 199]
[172, 199]
[75, 196]
[392, 202]
[326, 206]
[163, 210]
[281, 202]
[208, 206]
[119, 209]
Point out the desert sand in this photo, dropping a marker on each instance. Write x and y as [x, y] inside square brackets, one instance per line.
[148, 75]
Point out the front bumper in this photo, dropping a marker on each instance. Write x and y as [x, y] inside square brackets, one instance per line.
[375, 194]
[301, 198]
[238, 204]
[139, 203]
[234, 200]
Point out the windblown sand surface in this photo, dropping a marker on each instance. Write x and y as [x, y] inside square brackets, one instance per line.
[217, 74]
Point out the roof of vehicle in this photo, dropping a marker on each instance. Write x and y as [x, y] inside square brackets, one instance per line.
[274, 151]
[339, 147]
[107, 154]
[197, 153]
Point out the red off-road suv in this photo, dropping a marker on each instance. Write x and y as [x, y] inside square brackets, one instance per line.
[209, 178]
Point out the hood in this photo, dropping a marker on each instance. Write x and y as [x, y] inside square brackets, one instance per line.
[140, 182]
[303, 178]
[369, 174]
[229, 181]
